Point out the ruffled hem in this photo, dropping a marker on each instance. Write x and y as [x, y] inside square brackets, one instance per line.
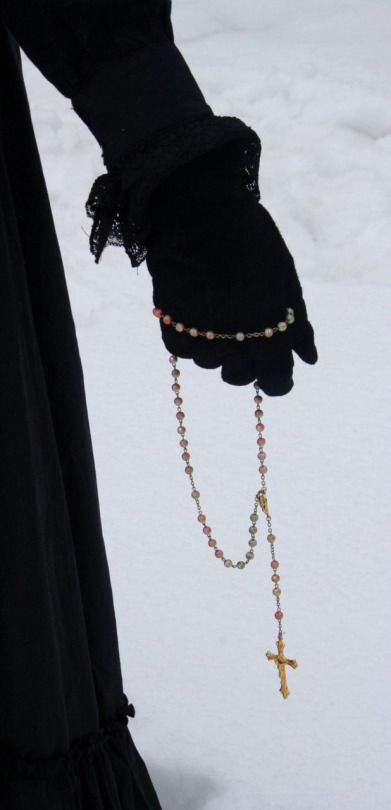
[100, 771]
[118, 200]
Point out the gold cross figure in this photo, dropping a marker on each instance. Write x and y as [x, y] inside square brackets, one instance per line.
[281, 662]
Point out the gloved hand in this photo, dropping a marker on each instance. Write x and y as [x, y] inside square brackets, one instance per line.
[218, 262]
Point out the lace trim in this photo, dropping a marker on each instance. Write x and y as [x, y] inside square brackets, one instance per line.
[64, 767]
[118, 200]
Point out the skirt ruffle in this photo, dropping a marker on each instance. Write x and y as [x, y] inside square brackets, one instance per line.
[100, 771]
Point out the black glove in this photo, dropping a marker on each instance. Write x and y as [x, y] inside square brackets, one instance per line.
[218, 262]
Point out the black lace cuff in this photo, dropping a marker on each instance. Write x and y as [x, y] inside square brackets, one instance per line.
[118, 201]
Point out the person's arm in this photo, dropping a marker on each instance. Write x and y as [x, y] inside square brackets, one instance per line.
[118, 63]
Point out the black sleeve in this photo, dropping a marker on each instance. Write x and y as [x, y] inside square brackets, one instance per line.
[118, 63]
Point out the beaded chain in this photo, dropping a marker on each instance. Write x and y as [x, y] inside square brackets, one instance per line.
[261, 495]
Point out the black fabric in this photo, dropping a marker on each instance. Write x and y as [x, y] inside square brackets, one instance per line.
[64, 737]
[218, 262]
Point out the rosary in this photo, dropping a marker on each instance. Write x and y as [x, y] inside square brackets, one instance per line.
[260, 499]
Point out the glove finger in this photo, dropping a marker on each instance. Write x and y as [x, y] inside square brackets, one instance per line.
[303, 342]
[238, 367]
[178, 343]
[274, 365]
[208, 354]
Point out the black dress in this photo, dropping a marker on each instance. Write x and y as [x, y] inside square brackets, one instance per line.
[64, 737]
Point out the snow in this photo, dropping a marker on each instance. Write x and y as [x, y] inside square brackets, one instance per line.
[313, 78]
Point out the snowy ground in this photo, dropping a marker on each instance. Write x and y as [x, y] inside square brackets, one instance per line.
[313, 79]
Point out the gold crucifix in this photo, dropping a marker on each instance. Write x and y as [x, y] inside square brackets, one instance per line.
[282, 662]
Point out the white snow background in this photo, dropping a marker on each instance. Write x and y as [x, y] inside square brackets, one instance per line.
[313, 79]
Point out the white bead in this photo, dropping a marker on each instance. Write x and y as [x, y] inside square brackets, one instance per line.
[179, 327]
[282, 326]
[290, 317]
[269, 332]
[239, 336]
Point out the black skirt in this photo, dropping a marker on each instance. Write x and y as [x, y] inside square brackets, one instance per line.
[64, 737]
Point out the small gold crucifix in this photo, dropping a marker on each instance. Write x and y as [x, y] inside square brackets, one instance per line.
[282, 662]
[261, 495]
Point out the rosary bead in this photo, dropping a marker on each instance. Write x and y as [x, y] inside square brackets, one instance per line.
[241, 564]
[261, 441]
[269, 332]
[218, 552]
[194, 332]
[167, 319]
[180, 327]
[282, 326]
[183, 442]
[180, 415]
[263, 469]
[254, 517]
[211, 542]
[261, 454]
[278, 614]
[185, 456]
[178, 401]
[188, 469]
[274, 563]
[253, 542]
[201, 518]
[228, 563]
[239, 336]
[181, 430]
[276, 591]
[249, 555]
[253, 529]
[271, 537]
[207, 530]
[258, 413]
[176, 387]
[195, 493]
[210, 335]
[258, 399]
[259, 426]
[157, 312]
[175, 372]
[276, 577]
[290, 317]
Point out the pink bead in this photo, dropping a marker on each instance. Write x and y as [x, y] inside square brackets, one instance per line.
[188, 469]
[262, 469]
[278, 614]
[274, 564]
[175, 372]
[261, 441]
[167, 319]
[211, 542]
[271, 537]
[183, 442]
[195, 493]
[276, 577]
[185, 456]
[259, 426]
[258, 399]
[276, 591]
[176, 387]
[157, 312]
[258, 413]
[201, 518]
[180, 415]
[207, 530]
[218, 552]
[181, 429]
[178, 401]
[210, 335]
[269, 332]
